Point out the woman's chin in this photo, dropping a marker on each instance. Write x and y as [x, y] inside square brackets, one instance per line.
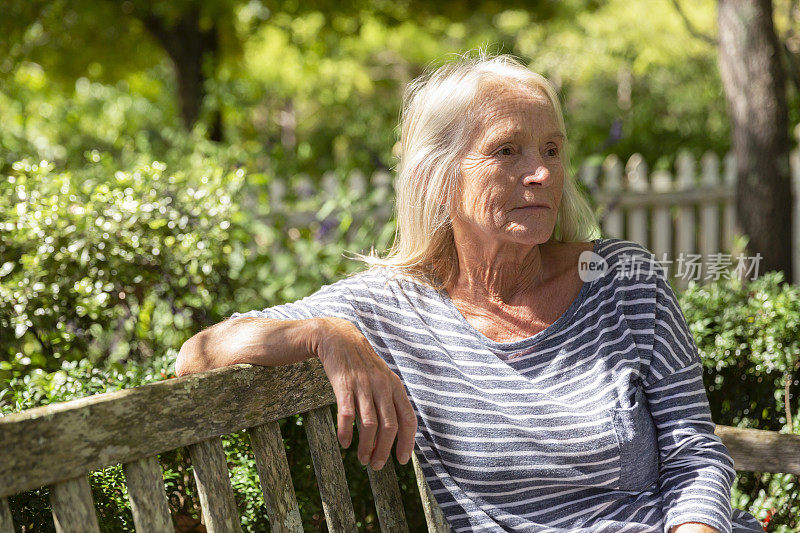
[529, 236]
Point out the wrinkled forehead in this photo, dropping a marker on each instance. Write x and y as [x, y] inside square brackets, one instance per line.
[496, 101]
[493, 89]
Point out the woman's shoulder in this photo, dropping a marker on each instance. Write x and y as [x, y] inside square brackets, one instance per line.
[625, 258]
[628, 276]
[380, 279]
[613, 248]
[609, 264]
[600, 257]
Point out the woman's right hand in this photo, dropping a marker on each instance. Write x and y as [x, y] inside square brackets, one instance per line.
[364, 384]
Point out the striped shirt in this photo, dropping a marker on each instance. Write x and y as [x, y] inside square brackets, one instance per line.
[600, 422]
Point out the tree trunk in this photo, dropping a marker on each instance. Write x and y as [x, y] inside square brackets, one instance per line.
[755, 87]
[189, 47]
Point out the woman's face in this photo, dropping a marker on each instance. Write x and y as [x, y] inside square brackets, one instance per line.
[513, 174]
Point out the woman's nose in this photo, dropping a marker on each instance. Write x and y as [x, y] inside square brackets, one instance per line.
[535, 171]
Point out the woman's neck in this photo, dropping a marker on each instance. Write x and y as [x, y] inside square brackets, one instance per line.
[502, 275]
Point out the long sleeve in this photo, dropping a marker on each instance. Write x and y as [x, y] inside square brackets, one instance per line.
[696, 470]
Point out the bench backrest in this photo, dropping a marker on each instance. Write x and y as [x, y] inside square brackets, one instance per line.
[58, 445]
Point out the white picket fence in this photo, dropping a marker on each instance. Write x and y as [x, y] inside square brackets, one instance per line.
[680, 215]
[684, 217]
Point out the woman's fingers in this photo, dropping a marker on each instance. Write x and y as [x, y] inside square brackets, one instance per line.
[407, 425]
[387, 429]
[367, 427]
[346, 414]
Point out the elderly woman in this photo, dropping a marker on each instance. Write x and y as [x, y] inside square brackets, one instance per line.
[536, 398]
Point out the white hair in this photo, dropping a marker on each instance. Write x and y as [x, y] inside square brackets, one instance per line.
[436, 122]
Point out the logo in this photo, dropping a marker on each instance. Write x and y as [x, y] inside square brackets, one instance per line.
[591, 266]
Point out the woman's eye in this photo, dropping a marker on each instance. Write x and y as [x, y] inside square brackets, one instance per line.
[505, 151]
[552, 151]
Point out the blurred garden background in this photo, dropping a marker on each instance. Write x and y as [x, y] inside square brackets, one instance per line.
[154, 156]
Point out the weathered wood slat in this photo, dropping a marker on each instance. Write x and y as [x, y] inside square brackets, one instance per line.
[214, 486]
[6, 522]
[276, 481]
[637, 228]
[613, 219]
[65, 440]
[145, 481]
[794, 166]
[662, 222]
[729, 207]
[329, 468]
[388, 502]
[73, 507]
[433, 514]
[685, 224]
[756, 450]
[709, 211]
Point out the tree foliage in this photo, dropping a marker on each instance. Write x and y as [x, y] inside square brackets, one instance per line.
[291, 75]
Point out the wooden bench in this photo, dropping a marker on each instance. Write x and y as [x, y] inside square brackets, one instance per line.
[58, 445]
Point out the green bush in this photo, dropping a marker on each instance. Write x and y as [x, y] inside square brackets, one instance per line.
[116, 265]
[110, 264]
[749, 340]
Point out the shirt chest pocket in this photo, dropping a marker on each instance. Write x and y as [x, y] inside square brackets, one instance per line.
[638, 444]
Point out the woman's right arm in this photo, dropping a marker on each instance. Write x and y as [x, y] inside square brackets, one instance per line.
[361, 380]
[258, 341]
